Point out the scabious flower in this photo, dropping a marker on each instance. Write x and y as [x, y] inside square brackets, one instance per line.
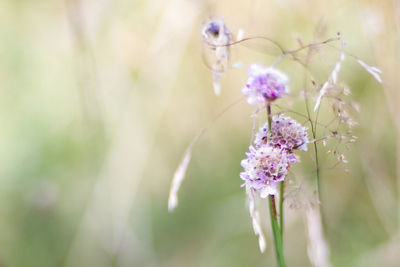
[264, 168]
[264, 84]
[285, 133]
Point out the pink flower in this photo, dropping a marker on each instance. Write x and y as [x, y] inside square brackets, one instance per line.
[264, 84]
[264, 168]
[285, 133]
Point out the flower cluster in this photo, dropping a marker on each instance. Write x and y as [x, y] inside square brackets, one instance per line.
[270, 156]
[267, 164]
[264, 168]
[268, 161]
[265, 84]
[285, 133]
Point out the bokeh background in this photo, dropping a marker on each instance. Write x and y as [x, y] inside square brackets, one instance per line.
[99, 98]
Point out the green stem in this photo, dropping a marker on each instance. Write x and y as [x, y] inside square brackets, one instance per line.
[276, 233]
[269, 114]
[319, 184]
[314, 134]
[282, 191]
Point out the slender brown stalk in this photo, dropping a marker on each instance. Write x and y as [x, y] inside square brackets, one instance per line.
[275, 214]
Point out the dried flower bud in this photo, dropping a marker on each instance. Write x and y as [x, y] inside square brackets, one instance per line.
[217, 37]
[216, 33]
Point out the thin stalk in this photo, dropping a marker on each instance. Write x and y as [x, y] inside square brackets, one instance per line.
[314, 135]
[282, 191]
[318, 171]
[319, 185]
[269, 114]
[277, 232]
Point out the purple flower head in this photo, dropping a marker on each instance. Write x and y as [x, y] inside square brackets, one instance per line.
[264, 84]
[264, 168]
[285, 133]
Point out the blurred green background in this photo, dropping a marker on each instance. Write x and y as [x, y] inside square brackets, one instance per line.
[99, 99]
